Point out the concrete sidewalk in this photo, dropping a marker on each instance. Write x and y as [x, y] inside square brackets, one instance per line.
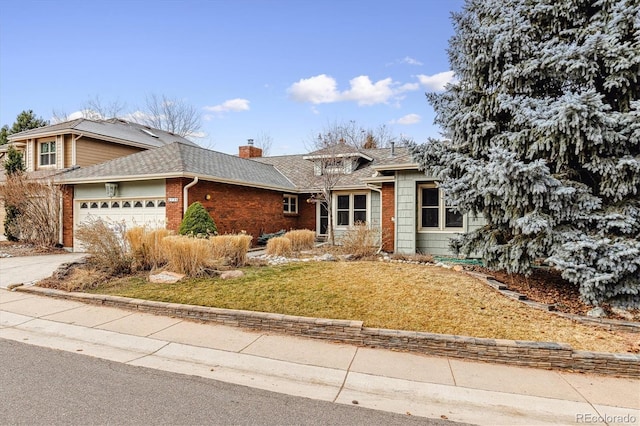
[405, 383]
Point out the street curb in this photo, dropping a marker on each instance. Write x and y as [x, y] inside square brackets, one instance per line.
[547, 355]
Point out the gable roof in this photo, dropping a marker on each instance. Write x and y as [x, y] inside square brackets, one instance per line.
[114, 130]
[300, 168]
[182, 160]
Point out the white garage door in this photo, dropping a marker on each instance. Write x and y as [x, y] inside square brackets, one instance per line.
[130, 212]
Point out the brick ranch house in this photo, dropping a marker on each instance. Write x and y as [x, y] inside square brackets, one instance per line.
[126, 172]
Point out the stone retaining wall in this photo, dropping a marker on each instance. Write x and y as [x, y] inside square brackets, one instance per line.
[557, 356]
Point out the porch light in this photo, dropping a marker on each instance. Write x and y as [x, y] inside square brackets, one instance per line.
[112, 189]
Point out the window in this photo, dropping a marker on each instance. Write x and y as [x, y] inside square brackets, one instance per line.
[350, 209]
[290, 204]
[48, 153]
[435, 214]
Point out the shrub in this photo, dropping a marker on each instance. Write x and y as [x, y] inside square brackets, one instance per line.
[360, 240]
[197, 222]
[188, 255]
[301, 239]
[107, 245]
[146, 248]
[232, 249]
[33, 210]
[278, 246]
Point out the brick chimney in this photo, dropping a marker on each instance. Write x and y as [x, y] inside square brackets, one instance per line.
[249, 151]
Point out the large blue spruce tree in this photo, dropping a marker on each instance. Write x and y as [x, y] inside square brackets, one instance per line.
[543, 139]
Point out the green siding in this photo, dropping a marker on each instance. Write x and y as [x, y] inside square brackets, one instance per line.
[408, 239]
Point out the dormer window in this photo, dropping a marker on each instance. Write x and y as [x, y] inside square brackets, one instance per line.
[47, 153]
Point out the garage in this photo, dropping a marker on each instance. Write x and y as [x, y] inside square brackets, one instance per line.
[132, 212]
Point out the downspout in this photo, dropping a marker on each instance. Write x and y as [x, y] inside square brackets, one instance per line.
[74, 151]
[379, 191]
[185, 195]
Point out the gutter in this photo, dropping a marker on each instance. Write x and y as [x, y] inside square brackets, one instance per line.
[185, 195]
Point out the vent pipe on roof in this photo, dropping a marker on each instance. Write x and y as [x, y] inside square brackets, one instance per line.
[393, 148]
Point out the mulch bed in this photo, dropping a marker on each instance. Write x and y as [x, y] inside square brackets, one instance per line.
[17, 249]
[547, 286]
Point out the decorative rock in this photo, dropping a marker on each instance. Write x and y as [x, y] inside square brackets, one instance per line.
[597, 312]
[623, 313]
[166, 277]
[458, 268]
[227, 275]
[327, 257]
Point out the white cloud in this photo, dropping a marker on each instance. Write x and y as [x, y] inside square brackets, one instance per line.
[365, 92]
[410, 61]
[320, 89]
[232, 105]
[437, 82]
[407, 119]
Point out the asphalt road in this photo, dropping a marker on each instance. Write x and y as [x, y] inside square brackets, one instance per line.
[40, 386]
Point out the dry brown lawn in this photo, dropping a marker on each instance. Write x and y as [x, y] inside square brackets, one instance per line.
[382, 295]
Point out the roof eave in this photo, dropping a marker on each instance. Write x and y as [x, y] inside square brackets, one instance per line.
[133, 178]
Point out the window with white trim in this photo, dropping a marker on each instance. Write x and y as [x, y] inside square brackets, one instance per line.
[47, 155]
[350, 209]
[435, 214]
[290, 204]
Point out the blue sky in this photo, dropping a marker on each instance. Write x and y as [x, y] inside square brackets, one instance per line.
[283, 68]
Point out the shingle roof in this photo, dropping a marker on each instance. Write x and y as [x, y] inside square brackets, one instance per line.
[300, 170]
[112, 128]
[179, 159]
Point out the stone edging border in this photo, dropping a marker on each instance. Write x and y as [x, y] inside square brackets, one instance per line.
[556, 356]
[609, 324]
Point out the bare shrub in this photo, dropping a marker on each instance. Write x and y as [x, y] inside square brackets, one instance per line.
[188, 255]
[146, 247]
[79, 279]
[361, 240]
[301, 239]
[107, 245]
[38, 209]
[231, 249]
[278, 246]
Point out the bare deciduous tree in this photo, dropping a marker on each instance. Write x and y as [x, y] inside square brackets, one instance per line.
[93, 108]
[264, 141]
[38, 203]
[171, 115]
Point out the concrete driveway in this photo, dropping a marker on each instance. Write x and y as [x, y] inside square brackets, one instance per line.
[27, 269]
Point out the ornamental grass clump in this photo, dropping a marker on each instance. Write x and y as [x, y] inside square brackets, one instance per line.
[188, 255]
[146, 246]
[231, 249]
[279, 246]
[301, 239]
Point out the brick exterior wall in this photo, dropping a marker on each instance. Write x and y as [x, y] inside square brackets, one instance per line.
[174, 211]
[388, 212]
[67, 215]
[237, 208]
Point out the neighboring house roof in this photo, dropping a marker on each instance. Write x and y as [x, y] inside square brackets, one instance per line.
[340, 150]
[182, 160]
[114, 130]
[300, 169]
